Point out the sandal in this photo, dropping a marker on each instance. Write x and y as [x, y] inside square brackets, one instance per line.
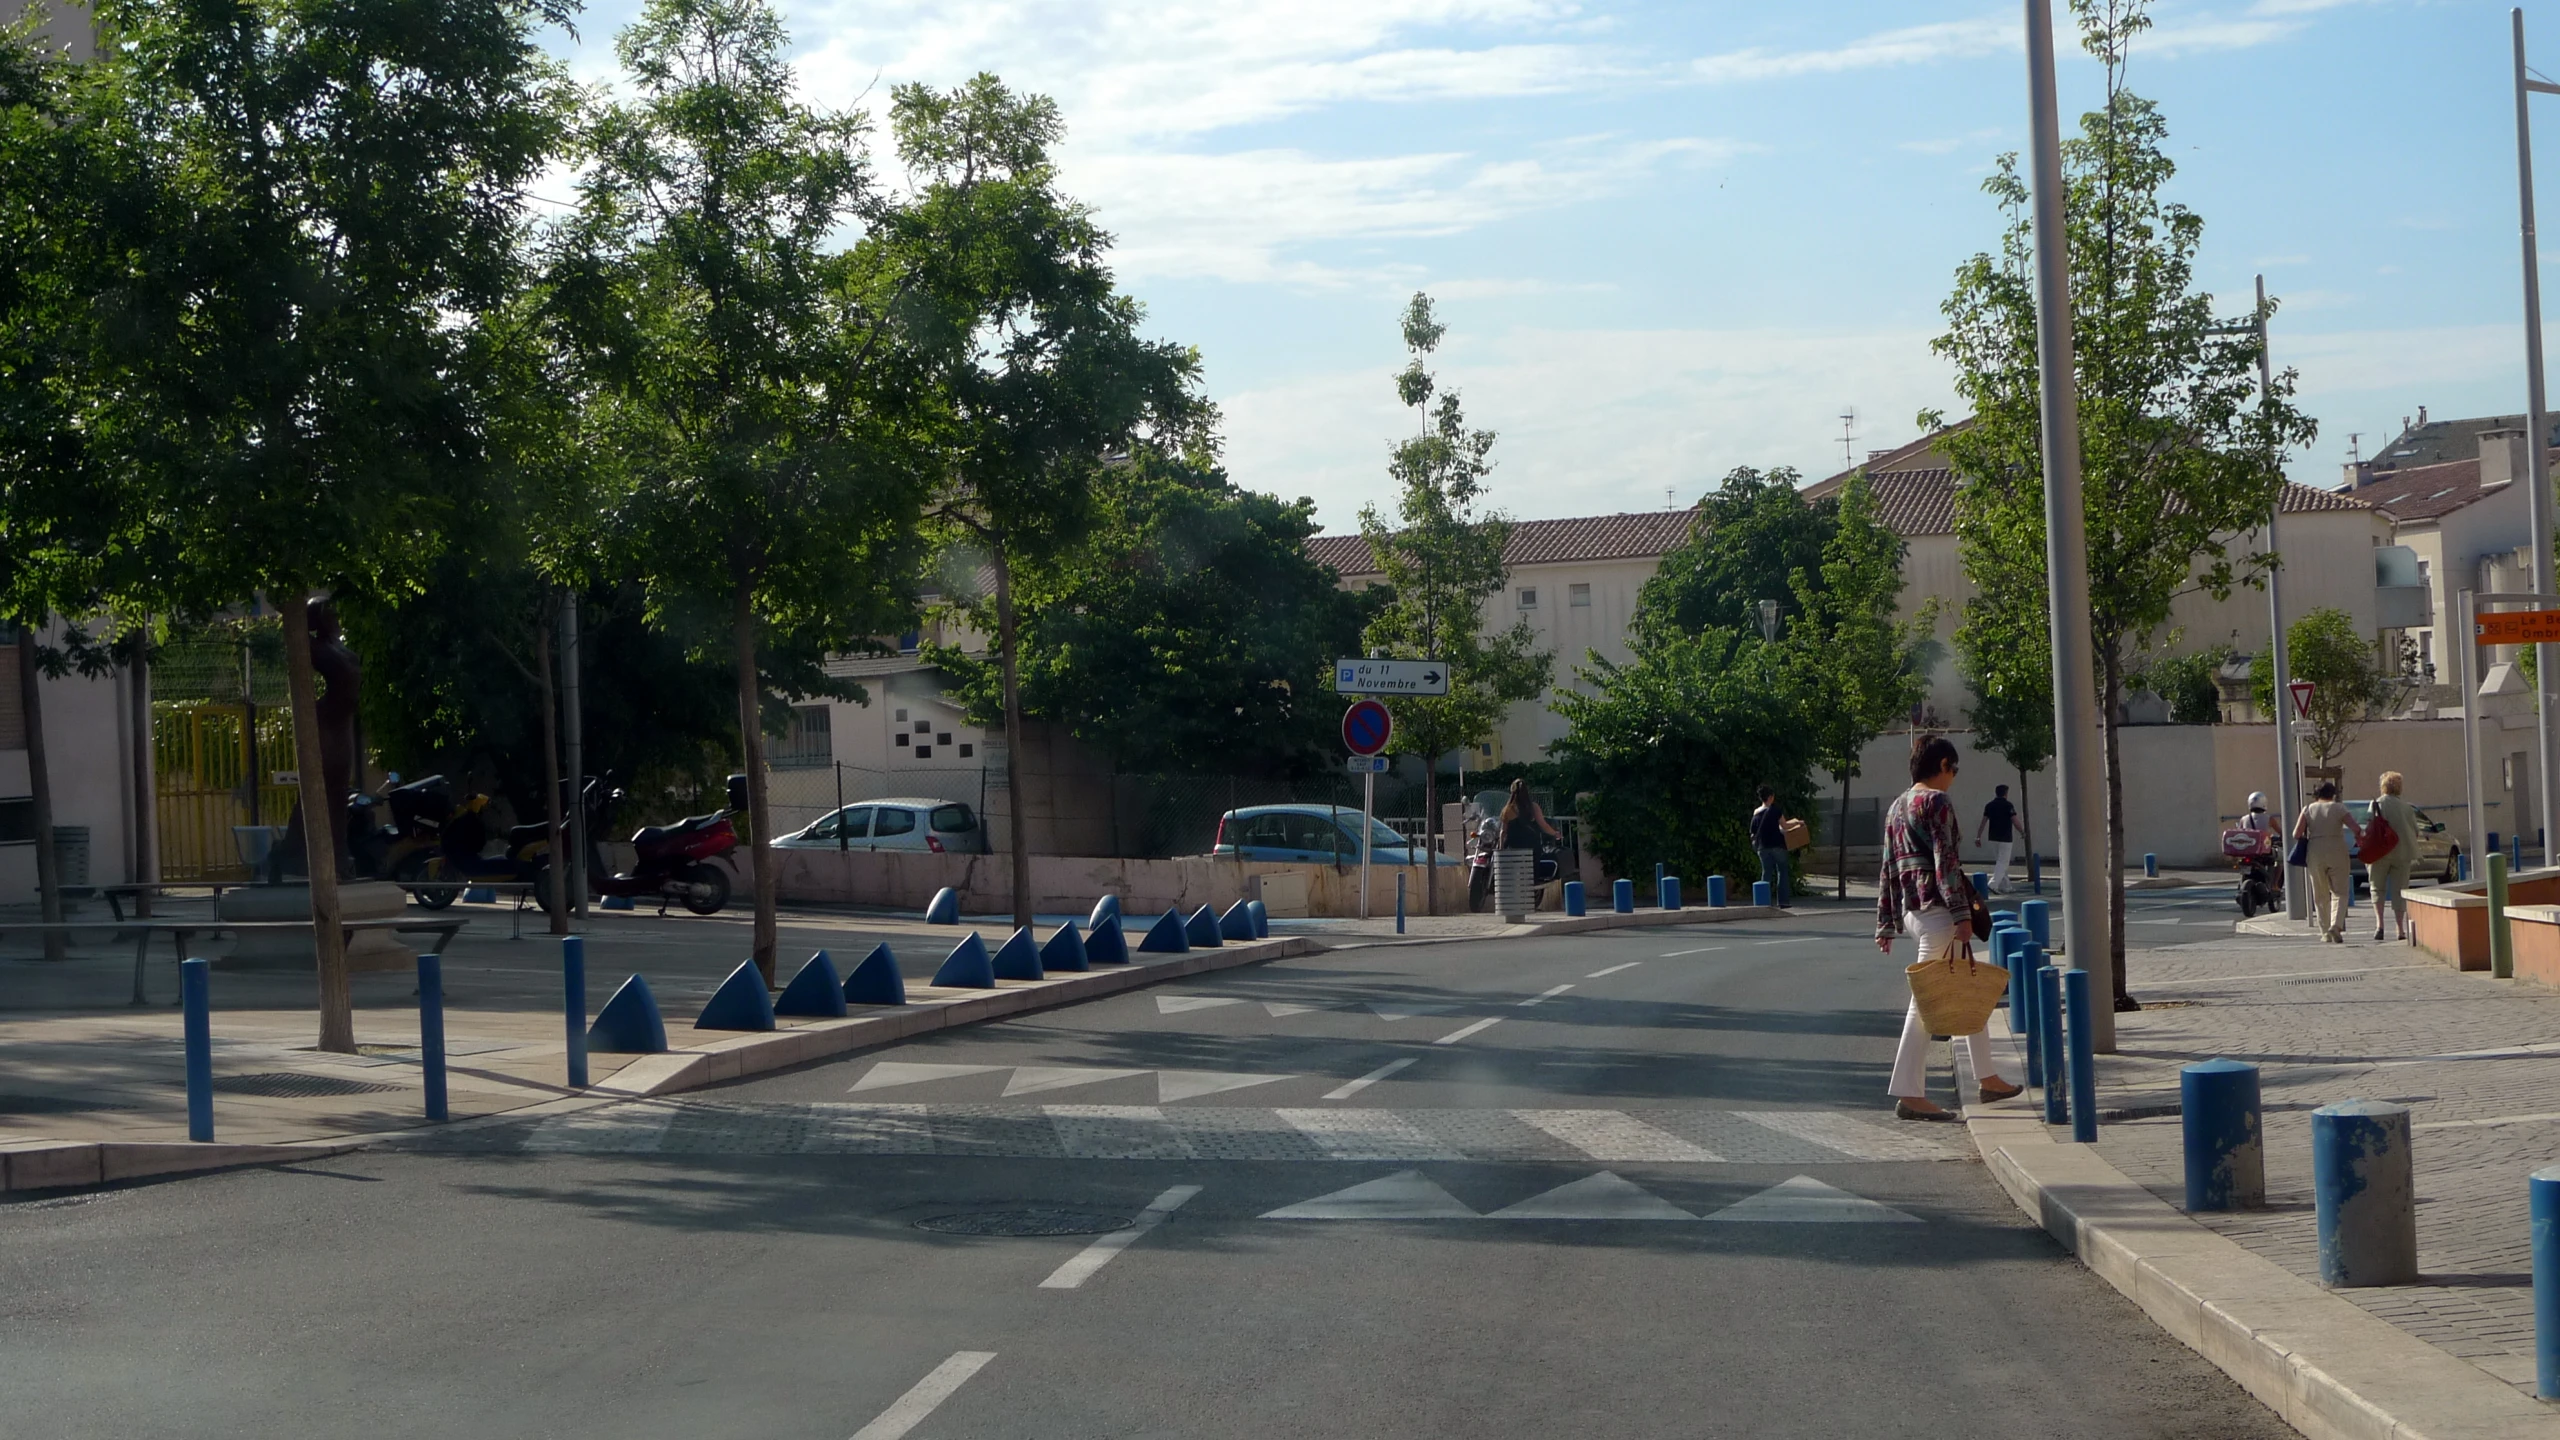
[1903, 1110]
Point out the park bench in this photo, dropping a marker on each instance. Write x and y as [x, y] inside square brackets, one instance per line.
[181, 931]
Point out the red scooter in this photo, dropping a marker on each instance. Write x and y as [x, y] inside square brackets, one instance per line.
[674, 861]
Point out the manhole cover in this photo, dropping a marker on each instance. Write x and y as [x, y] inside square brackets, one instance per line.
[55, 1105]
[289, 1082]
[1025, 1222]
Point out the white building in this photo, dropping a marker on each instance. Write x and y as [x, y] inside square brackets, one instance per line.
[97, 765]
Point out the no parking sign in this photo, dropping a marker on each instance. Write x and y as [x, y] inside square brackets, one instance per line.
[1366, 727]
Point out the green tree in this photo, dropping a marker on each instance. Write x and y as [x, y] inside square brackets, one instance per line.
[1180, 632]
[731, 353]
[1439, 562]
[1753, 533]
[1041, 374]
[284, 387]
[2177, 447]
[2005, 653]
[2349, 685]
[2189, 683]
[1853, 665]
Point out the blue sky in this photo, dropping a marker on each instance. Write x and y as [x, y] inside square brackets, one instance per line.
[1669, 239]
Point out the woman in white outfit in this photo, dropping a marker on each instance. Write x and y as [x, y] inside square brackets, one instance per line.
[1923, 888]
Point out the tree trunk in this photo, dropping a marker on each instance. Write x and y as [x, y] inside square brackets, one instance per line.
[2112, 670]
[1431, 827]
[40, 786]
[146, 868]
[1019, 842]
[319, 832]
[751, 747]
[557, 857]
[1843, 862]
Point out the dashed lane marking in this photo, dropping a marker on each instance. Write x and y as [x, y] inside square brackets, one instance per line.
[925, 1396]
[1349, 1088]
[1612, 970]
[1093, 1257]
[1463, 1031]
[1703, 950]
[1548, 994]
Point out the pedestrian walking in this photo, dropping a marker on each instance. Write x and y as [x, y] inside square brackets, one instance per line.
[1999, 825]
[1515, 865]
[2324, 828]
[1769, 837]
[1922, 888]
[2391, 872]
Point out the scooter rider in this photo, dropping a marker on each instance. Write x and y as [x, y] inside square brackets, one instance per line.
[2256, 819]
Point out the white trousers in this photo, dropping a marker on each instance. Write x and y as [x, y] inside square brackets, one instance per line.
[2000, 855]
[1935, 928]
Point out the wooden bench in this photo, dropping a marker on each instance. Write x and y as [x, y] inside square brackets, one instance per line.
[180, 931]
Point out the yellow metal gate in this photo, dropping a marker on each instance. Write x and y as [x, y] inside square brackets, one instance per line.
[202, 768]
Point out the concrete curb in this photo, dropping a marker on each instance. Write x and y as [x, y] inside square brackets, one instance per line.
[87, 1164]
[2329, 1368]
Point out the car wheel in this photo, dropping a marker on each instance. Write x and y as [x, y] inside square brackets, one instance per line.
[706, 889]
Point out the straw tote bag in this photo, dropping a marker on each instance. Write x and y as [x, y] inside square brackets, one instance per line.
[1957, 994]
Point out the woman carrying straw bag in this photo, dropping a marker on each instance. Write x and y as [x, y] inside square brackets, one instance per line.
[1923, 888]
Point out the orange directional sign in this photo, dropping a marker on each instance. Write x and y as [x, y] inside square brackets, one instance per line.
[2517, 627]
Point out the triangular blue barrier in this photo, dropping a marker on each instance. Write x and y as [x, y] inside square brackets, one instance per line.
[479, 895]
[1065, 950]
[945, 909]
[617, 902]
[1202, 929]
[814, 991]
[968, 966]
[1237, 923]
[741, 1002]
[1107, 906]
[1261, 919]
[1018, 958]
[1106, 945]
[629, 1023]
[1165, 936]
[876, 980]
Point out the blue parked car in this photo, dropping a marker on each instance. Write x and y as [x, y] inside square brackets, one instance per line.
[1311, 835]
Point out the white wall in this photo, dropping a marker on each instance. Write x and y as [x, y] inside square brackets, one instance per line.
[1571, 633]
[88, 740]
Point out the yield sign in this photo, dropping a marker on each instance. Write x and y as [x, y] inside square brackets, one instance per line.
[2302, 698]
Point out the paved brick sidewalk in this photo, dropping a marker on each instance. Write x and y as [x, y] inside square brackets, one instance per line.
[2477, 1060]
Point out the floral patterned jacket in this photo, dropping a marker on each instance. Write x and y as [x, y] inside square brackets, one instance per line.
[1923, 859]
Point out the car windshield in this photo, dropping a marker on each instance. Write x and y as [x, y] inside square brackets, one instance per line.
[1380, 832]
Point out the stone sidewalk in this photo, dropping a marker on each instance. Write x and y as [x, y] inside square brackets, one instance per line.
[2477, 1061]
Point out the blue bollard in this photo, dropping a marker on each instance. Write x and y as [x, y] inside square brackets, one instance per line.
[2150, 866]
[2544, 1189]
[2462, 866]
[2225, 1146]
[2364, 1190]
[1399, 902]
[573, 1004]
[1715, 892]
[2027, 1015]
[2038, 918]
[195, 992]
[2035, 873]
[1622, 896]
[1667, 890]
[1658, 868]
[1982, 882]
[2083, 1055]
[2057, 1103]
[1573, 897]
[1760, 895]
[431, 1031]
[2515, 852]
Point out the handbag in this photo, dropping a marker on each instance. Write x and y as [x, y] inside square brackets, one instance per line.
[2380, 839]
[1956, 995]
[1977, 911]
[2300, 855]
[1797, 833]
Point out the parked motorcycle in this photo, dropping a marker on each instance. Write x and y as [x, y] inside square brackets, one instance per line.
[673, 863]
[401, 850]
[436, 878]
[2261, 884]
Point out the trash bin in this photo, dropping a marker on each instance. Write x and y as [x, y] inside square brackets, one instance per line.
[256, 843]
[1515, 874]
[71, 855]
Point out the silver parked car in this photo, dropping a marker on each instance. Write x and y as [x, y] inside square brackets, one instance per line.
[905, 823]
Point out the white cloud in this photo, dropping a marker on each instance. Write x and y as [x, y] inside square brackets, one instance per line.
[1948, 145]
[1911, 45]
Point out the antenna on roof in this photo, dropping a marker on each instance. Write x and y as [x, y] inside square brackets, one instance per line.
[1667, 502]
[2355, 448]
[1848, 439]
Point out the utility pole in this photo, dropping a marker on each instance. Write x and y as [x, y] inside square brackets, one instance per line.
[2079, 780]
[573, 720]
[2537, 426]
[2297, 902]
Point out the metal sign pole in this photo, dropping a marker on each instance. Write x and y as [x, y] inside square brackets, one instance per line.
[2471, 726]
[1368, 808]
[2297, 897]
[2546, 686]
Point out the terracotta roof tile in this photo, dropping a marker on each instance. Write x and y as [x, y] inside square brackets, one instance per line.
[1640, 534]
[2426, 492]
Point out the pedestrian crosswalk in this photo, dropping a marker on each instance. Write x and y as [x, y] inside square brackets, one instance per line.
[1214, 1132]
[1410, 1195]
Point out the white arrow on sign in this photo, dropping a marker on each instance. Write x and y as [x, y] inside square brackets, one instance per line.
[1390, 677]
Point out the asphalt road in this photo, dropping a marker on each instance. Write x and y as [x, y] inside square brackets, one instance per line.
[1633, 1183]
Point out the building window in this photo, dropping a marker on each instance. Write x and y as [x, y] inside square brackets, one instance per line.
[18, 821]
[1578, 596]
[901, 717]
[942, 739]
[809, 744]
[924, 752]
[901, 739]
[1528, 597]
[967, 749]
[924, 727]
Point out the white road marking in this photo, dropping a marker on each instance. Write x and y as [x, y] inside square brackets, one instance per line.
[928, 1393]
[1463, 1031]
[1798, 940]
[1368, 1135]
[1612, 970]
[1405, 1195]
[1849, 1135]
[1703, 950]
[1349, 1088]
[1172, 1085]
[902, 1072]
[1544, 995]
[1280, 1009]
[1594, 1197]
[1614, 1135]
[1115, 1132]
[1032, 1079]
[1178, 1004]
[1407, 1012]
[1098, 1254]
[1805, 1200]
